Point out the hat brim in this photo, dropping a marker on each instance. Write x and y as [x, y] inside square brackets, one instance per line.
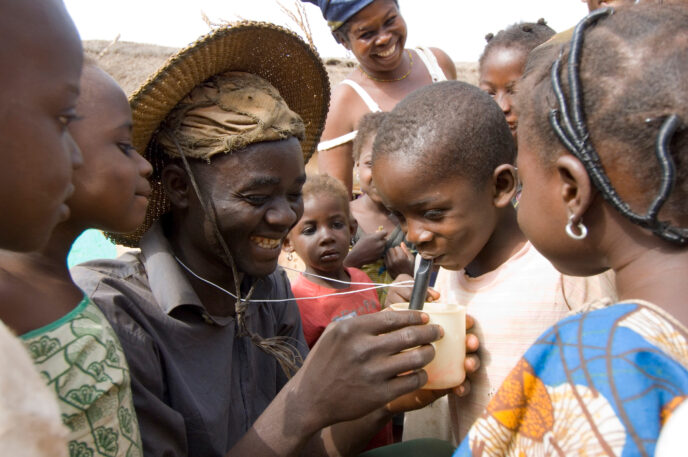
[274, 53]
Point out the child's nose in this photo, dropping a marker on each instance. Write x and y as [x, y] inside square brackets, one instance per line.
[74, 152]
[504, 102]
[325, 235]
[417, 234]
[145, 167]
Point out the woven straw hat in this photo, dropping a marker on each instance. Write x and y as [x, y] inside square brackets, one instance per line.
[272, 52]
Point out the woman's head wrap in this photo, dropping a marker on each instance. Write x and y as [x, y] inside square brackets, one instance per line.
[337, 12]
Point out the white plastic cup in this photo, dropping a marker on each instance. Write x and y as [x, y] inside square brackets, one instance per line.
[446, 370]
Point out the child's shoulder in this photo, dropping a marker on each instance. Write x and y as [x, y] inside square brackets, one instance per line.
[358, 275]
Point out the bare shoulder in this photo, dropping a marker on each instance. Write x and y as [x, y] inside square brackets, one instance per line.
[445, 62]
[344, 112]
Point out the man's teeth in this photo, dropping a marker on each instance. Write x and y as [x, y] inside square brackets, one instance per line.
[387, 53]
[267, 243]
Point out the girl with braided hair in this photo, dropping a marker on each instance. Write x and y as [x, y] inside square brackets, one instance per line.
[603, 159]
[503, 60]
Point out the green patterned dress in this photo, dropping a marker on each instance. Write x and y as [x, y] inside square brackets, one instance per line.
[81, 360]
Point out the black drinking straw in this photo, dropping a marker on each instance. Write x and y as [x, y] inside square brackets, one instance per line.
[420, 284]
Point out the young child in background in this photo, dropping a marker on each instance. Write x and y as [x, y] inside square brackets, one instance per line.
[321, 238]
[71, 342]
[610, 194]
[503, 60]
[41, 59]
[443, 162]
[382, 257]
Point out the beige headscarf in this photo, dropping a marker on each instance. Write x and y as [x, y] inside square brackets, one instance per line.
[226, 113]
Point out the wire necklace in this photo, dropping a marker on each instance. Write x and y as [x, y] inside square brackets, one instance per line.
[380, 80]
[370, 286]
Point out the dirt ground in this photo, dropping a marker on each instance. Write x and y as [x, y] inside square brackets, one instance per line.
[131, 63]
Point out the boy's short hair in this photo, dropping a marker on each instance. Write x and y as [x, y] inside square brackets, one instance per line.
[368, 126]
[447, 129]
[317, 185]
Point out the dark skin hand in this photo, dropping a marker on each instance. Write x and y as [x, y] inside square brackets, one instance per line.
[362, 357]
[399, 260]
[357, 358]
[403, 295]
[367, 250]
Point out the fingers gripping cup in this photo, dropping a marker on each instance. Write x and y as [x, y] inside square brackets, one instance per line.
[446, 370]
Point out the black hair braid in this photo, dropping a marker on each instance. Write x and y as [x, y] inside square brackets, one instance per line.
[574, 135]
[523, 35]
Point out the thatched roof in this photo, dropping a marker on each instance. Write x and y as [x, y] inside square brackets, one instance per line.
[131, 63]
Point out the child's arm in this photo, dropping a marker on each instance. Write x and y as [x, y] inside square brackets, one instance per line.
[367, 250]
[402, 294]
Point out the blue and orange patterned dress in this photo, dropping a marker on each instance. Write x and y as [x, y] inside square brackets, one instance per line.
[601, 383]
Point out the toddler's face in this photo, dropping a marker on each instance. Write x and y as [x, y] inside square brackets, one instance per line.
[40, 85]
[321, 238]
[449, 220]
[111, 188]
[499, 73]
[365, 171]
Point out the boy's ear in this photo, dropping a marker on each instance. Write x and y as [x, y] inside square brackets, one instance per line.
[505, 184]
[176, 184]
[353, 226]
[577, 191]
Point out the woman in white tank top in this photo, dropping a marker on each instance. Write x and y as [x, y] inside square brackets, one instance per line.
[375, 32]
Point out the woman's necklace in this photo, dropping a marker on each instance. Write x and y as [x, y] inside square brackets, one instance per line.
[394, 79]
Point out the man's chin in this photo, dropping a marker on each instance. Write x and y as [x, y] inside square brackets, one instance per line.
[258, 270]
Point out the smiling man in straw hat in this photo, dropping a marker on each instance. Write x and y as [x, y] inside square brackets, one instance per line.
[228, 124]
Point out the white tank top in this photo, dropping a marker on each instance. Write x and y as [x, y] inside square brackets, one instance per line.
[436, 73]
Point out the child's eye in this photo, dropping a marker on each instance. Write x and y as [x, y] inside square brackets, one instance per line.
[433, 214]
[391, 20]
[69, 117]
[126, 148]
[366, 35]
[337, 225]
[308, 230]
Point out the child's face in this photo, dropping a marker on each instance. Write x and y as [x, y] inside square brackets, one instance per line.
[499, 73]
[543, 213]
[448, 220]
[365, 173]
[41, 60]
[111, 189]
[321, 238]
[257, 196]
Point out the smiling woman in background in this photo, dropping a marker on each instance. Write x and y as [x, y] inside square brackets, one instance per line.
[375, 33]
